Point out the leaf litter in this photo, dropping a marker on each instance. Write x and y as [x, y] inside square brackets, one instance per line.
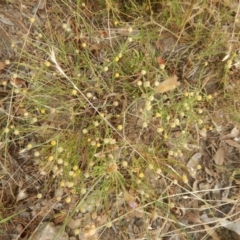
[182, 184]
[219, 156]
[168, 84]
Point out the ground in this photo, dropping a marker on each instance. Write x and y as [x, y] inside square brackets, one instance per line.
[119, 119]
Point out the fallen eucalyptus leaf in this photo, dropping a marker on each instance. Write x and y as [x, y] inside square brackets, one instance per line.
[2, 66]
[209, 172]
[233, 144]
[41, 4]
[192, 164]
[168, 84]
[192, 217]
[219, 156]
[211, 232]
[232, 226]
[21, 195]
[130, 199]
[126, 31]
[94, 215]
[74, 223]
[203, 132]
[48, 231]
[234, 133]
[5, 20]
[154, 216]
[89, 231]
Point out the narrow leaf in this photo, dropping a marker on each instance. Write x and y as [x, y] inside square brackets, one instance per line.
[168, 84]
[219, 156]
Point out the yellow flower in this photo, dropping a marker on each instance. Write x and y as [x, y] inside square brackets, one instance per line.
[43, 111]
[50, 158]
[68, 200]
[184, 178]
[74, 92]
[124, 163]
[209, 97]
[29, 146]
[53, 143]
[32, 19]
[141, 175]
[47, 64]
[120, 127]
[130, 29]
[199, 97]
[39, 195]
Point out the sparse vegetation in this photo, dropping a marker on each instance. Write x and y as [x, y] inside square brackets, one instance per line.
[112, 115]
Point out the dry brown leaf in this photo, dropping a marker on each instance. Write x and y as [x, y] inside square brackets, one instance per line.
[192, 164]
[130, 199]
[90, 230]
[154, 216]
[232, 226]
[60, 217]
[5, 20]
[19, 228]
[2, 66]
[211, 232]
[192, 217]
[234, 133]
[74, 223]
[94, 215]
[168, 84]
[58, 192]
[179, 211]
[95, 49]
[233, 144]
[219, 156]
[48, 231]
[126, 31]
[18, 82]
[22, 194]
[209, 172]
[39, 5]
[102, 219]
[195, 185]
